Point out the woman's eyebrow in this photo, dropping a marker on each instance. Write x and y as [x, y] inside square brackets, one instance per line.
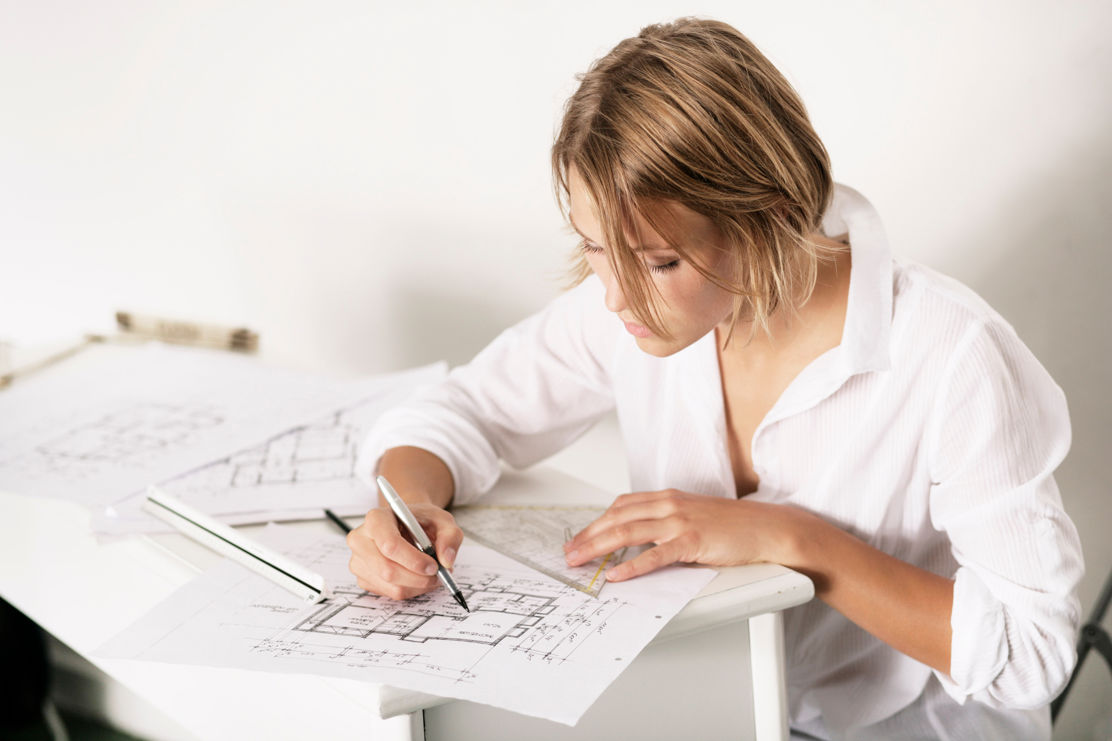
[642, 248]
[571, 220]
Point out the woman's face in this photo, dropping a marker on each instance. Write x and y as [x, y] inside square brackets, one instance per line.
[690, 306]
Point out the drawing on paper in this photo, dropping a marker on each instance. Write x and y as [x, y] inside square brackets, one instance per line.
[499, 613]
[521, 615]
[101, 427]
[324, 451]
[123, 436]
[531, 644]
[307, 467]
[289, 475]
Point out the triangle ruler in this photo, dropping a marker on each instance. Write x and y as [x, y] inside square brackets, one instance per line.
[535, 536]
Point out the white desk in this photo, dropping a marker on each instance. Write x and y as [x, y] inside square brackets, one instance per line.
[82, 592]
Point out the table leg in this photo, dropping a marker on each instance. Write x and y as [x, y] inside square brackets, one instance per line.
[416, 726]
[770, 689]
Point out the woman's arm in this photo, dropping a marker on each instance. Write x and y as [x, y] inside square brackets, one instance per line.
[905, 606]
[417, 475]
[530, 392]
[533, 390]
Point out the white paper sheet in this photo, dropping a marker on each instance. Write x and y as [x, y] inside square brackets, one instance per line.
[289, 476]
[114, 419]
[530, 645]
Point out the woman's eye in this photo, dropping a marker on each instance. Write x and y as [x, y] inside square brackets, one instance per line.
[665, 267]
[592, 248]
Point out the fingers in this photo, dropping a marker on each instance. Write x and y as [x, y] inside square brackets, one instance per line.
[624, 535]
[614, 525]
[383, 530]
[662, 555]
[445, 535]
[639, 497]
[378, 576]
[385, 563]
[635, 505]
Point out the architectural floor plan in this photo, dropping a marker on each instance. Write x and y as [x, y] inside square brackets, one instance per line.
[308, 466]
[131, 433]
[530, 643]
[290, 475]
[112, 420]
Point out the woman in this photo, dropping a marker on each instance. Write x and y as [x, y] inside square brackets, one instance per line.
[787, 392]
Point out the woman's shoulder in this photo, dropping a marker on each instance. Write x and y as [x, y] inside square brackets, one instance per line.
[941, 291]
[938, 304]
[945, 322]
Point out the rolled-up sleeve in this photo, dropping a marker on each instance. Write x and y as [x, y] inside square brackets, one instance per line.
[536, 388]
[1000, 429]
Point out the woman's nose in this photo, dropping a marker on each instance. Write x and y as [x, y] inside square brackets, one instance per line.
[615, 298]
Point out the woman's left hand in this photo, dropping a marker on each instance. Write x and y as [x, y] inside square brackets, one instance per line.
[686, 528]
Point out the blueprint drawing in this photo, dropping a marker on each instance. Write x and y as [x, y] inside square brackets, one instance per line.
[114, 419]
[291, 475]
[530, 644]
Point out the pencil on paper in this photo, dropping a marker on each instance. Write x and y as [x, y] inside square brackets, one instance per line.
[337, 520]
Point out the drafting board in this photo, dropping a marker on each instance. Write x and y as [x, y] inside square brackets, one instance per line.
[535, 536]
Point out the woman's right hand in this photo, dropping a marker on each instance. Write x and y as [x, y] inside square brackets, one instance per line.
[385, 562]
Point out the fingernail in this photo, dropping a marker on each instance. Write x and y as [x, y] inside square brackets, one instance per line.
[572, 555]
[613, 575]
[430, 569]
[449, 558]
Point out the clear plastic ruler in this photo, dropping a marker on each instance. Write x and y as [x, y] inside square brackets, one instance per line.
[535, 536]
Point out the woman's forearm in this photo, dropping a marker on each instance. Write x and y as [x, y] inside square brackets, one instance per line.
[417, 475]
[905, 606]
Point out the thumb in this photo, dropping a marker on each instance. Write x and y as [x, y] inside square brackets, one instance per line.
[446, 537]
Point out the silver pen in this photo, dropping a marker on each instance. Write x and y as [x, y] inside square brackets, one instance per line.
[420, 539]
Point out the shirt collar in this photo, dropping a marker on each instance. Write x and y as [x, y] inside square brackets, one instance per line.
[865, 337]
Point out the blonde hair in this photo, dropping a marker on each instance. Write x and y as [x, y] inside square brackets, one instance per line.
[691, 112]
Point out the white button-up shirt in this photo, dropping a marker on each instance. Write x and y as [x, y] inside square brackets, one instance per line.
[931, 432]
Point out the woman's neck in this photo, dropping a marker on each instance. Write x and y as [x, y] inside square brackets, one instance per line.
[818, 320]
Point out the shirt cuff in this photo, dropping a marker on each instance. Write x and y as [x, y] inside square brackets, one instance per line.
[468, 482]
[978, 649]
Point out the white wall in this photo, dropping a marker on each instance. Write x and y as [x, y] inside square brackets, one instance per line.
[367, 184]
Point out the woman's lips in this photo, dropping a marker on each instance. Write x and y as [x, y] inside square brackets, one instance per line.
[637, 330]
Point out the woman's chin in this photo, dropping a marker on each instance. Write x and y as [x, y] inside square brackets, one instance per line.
[659, 347]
